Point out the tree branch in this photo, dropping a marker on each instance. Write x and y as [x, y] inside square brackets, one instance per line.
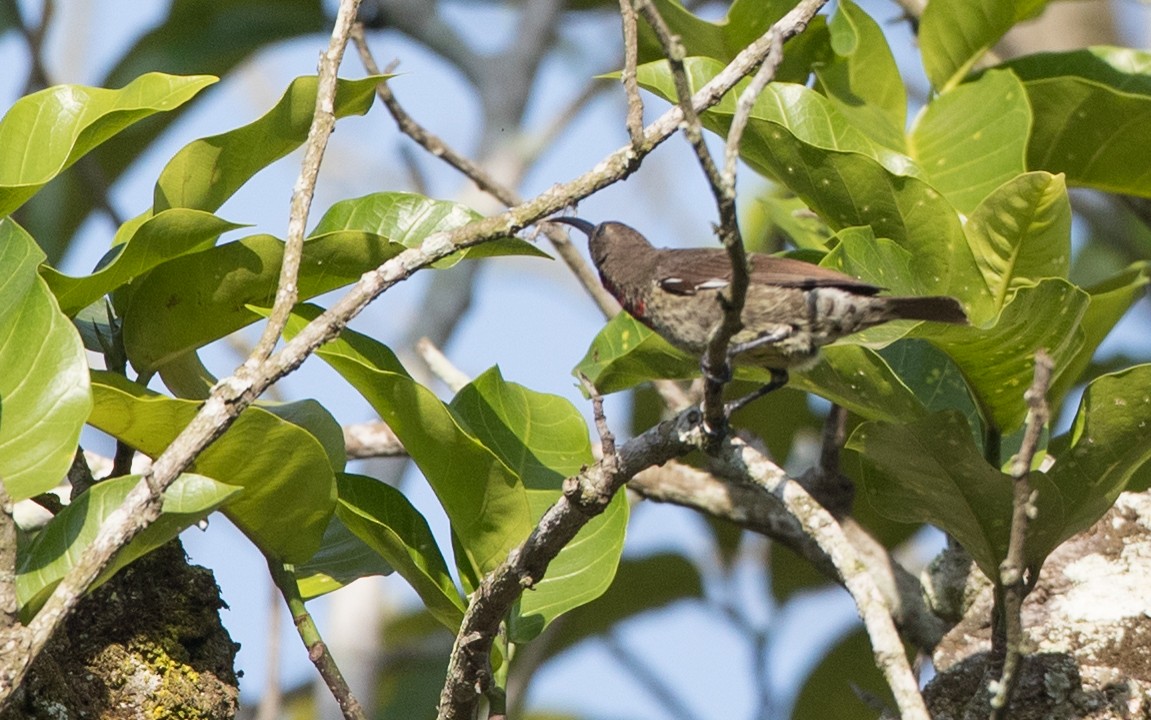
[1012, 585]
[323, 122]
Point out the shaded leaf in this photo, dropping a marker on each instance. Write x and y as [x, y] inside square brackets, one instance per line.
[43, 373]
[932, 471]
[289, 488]
[1086, 106]
[1109, 441]
[832, 688]
[342, 559]
[383, 519]
[57, 548]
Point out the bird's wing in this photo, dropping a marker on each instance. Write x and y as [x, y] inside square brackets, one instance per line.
[694, 271]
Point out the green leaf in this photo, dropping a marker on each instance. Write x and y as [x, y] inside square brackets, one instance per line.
[408, 218]
[1021, 234]
[998, 361]
[59, 545]
[954, 35]
[543, 439]
[932, 471]
[383, 519]
[200, 297]
[289, 487]
[206, 172]
[44, 393]
[1110, 301]
[1109, 441]
[310, 415]
[973, 138]
[45, 132]
[483, 498]
[862, 79]
[167, 235]
[744, 22]
[342, 559]
[1087, 106]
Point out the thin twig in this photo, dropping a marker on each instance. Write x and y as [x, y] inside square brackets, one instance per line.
[1012, 581]
[285, 580]
[628, 77]
[233, 394]
[323, 122]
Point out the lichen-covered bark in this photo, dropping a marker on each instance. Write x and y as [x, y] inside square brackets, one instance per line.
[147, 644]
[1087, 628]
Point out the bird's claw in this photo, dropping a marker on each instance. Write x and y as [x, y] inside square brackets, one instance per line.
[778, 380]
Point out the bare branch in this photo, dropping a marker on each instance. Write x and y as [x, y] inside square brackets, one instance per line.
[628, 78]
[323, 122]
[1012, 586]
[369, 440]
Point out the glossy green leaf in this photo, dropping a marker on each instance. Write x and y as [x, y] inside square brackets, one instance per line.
[59, 545]
[997, 361]
[791, 218]
[310, 415]
[194, 299]
[167, 235]
[408, 218]
[973, 138]
[543, 438]
[932, 471]
[954, 35]
[484, 499]
[383, 519]
[206, 172]
[44, 394]
[1088, 105]
[45, 132]
[1021, 234]
[342, 559]
[1109, 441]
[861, 77]
[289, 487]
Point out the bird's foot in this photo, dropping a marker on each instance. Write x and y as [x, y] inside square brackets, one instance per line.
[770, 337]
[778, 380]
[721, 374]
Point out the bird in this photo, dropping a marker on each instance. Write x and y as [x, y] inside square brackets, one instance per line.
[792, 308]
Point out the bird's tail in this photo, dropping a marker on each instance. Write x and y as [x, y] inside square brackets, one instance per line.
[939, 308]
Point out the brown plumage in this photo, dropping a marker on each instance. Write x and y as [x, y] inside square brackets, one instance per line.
[792, 309]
